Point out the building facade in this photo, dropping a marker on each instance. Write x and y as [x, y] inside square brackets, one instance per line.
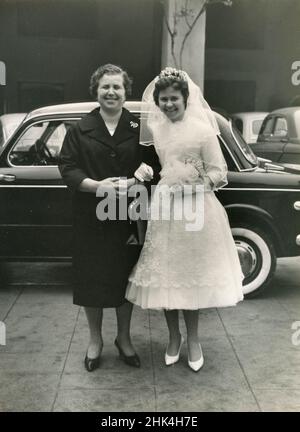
[251, 54]
[247, 55]
[51, 47]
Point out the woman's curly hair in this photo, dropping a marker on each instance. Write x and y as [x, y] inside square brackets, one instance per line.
[109, 69]
[176, 82]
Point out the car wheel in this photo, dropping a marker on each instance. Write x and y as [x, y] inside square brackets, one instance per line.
[257, 257]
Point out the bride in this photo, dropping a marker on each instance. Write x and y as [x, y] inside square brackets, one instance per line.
[180, 268]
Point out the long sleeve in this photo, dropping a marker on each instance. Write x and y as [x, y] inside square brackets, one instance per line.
[69, 162]
[214, 163]
[150, 157]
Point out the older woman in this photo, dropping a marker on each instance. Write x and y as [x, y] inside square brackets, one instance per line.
[97, 151]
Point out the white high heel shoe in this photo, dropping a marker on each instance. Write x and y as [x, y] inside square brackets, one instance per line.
[197, 365]
[169, 360]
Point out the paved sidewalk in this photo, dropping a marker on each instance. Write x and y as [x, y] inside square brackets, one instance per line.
[250, 361]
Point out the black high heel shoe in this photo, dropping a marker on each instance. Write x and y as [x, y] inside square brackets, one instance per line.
[133, 360]
[91, 364]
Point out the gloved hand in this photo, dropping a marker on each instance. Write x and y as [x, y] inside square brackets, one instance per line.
[144, 172]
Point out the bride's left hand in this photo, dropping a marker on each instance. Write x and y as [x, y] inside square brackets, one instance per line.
[144, 172]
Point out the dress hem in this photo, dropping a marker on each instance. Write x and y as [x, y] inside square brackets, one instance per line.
[187, 308]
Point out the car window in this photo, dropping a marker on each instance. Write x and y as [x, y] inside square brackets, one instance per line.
[256, 125]
[281, 128]
[244, 146]
[40, 144]
[239, 124]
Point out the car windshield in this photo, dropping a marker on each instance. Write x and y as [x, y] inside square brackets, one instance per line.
[251, 157]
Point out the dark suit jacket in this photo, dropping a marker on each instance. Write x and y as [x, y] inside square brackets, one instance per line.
[90, 151]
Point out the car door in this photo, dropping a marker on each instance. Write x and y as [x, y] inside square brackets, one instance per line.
[35, 211]
[291, 151]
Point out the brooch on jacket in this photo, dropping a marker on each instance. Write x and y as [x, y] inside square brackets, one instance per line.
[134, 124]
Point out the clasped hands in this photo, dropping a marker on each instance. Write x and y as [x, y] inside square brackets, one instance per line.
[144, 173]
[122, 184]
[190, 172]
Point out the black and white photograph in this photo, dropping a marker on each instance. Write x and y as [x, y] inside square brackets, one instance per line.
[149, 208]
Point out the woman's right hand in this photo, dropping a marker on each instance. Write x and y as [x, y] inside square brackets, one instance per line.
[121, 185]
[90, 185]
[109, 182]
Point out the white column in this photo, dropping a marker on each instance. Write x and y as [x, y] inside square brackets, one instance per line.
[194, 50]
[2, 73]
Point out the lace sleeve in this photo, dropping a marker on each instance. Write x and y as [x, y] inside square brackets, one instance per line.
[214, 163]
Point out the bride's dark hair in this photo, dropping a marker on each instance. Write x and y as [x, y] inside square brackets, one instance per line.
[176, 82]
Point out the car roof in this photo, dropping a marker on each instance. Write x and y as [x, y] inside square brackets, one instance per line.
[286, 110]
[250, 114]
[79, 108]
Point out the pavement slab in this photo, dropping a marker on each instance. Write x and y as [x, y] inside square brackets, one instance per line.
[269, 363]
[39, 328]
[278, 400]
[251, 351]
[21, 392]
[33, 362]
[110, 400]
[203, 398]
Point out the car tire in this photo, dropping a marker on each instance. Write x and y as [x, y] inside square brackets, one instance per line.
[257, 256]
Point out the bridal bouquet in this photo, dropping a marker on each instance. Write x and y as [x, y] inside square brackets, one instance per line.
[197, 164]
[177, 173]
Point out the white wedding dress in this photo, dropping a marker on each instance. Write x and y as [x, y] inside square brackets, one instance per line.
[178, 268]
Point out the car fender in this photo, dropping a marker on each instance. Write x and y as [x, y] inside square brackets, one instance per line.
[259, 217]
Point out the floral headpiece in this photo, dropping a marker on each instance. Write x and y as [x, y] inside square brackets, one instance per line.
[170, 72]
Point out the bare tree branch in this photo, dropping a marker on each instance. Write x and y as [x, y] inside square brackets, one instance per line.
[189, 32]
[171, 33]
[185, 13]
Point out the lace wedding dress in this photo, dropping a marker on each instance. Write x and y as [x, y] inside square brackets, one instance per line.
[180, 268]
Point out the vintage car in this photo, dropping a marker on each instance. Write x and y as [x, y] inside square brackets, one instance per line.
[249, 124]
[262, 203]
[279, 137]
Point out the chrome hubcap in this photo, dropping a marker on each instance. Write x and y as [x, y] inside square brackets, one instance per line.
[247, 256]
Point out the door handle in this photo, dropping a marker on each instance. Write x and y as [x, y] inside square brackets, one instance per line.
[7, 178]
[297, 205]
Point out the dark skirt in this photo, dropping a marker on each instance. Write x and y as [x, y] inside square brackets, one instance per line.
[102, 260]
